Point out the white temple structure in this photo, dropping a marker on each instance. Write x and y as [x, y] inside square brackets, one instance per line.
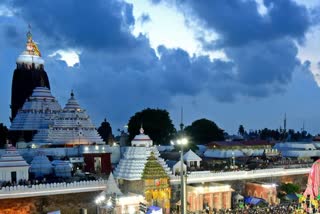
[37, 112]
[41, 166]
[62, 168]
[192, 159]
[71, 126]
[13, 167]
[131, 166]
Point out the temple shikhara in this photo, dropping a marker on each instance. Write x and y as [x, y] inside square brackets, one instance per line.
[28, 75]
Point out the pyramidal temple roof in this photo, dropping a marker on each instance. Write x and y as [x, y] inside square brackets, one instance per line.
[112, 187]
[153, 169]
[71, 126]
[37, 112]
[12, 158]
[191, 156]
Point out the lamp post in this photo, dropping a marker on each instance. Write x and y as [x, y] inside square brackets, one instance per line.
[99, 200]
[183, 195]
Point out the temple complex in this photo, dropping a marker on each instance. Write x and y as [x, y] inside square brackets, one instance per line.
[28, 75]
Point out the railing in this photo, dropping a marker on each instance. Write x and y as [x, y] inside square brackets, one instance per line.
[51, 189]
[206, 176]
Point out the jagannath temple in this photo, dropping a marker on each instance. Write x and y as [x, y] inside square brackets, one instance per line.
[39, 122]
[28, 75]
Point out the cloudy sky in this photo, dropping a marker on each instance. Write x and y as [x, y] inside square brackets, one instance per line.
[234, 62]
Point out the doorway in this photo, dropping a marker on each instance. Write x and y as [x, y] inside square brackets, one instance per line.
[14, 177]
[97, 164]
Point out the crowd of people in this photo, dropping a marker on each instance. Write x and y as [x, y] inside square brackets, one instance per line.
[289, 208]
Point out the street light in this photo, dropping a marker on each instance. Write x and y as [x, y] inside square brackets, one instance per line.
[183, 195]
[99, 200]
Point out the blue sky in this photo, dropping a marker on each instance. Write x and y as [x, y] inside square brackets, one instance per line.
[234, 62]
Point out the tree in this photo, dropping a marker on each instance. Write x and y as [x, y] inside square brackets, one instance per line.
[204, 131]
[241, 130]
[155, 122]
[288, 188]
[105, 130]
[3, 135]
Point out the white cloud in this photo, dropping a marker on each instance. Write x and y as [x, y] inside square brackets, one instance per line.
[311, 51]
[5, 11]
[71, 57]
[168, 27]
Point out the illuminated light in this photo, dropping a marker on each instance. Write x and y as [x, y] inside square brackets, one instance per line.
[97, 147]
[131, 210]
[86, 149]
[184, 141]
[109, 203]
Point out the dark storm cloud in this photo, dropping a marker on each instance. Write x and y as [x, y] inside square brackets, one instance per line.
[96, 25]
[261, 48]
[239, 22]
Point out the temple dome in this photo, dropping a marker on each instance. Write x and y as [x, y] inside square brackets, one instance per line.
[62, 168]
[72, 104]
[142, 139]
[41, 166]
[31, 55]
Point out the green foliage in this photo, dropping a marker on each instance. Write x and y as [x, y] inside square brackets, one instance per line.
[105, 130]
[241, 130]
[3, 135]
[156, 123]
[204, 131]
[289, 188]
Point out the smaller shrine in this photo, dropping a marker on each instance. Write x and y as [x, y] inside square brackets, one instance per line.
[13, 167]
[192, 160]
[41, 166]
[142, 171]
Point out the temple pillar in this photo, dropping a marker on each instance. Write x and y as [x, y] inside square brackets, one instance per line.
[210, 200]
[201, 201]
[220, 199]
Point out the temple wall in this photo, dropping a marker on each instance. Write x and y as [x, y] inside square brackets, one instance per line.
[28, 154]
[132, 186]
[66, 203]
[300, 180]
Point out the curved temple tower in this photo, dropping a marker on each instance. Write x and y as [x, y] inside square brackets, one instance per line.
[28, 75]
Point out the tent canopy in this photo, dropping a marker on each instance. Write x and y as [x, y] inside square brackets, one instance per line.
[253, 200]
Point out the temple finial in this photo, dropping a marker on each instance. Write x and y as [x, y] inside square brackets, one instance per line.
[29, 34]
[141, 129]
[72, 94]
